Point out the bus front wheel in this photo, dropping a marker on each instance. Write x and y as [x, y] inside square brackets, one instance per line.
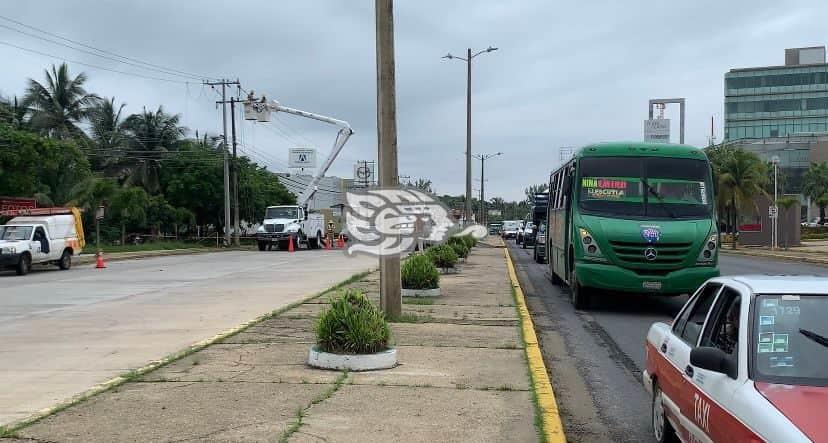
[579, 295]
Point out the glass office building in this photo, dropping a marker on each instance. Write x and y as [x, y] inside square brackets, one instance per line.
[778, 101]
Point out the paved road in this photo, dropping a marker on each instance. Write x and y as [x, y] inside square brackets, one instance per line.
[62, 332]
[595, 357]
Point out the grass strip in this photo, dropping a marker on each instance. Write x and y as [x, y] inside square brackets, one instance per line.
[12, 429]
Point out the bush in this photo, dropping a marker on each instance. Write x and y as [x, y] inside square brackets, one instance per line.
[460, 248]
[352, 325]
[443, 256]
[418, 272]
[470, 240]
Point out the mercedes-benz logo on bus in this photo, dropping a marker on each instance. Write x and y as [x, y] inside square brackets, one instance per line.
[650, 254]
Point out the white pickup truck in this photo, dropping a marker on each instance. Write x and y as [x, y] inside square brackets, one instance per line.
[41, 239]
[281, 223]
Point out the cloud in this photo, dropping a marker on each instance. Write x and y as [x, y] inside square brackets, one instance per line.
[567, 73]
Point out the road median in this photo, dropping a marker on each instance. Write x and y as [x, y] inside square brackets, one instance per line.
[802, 257]
[462, 377]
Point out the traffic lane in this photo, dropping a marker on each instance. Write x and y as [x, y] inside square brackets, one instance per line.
[71, 330]
[597, 387]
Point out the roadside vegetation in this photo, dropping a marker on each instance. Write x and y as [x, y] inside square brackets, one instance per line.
[352, 325]
[154, 176]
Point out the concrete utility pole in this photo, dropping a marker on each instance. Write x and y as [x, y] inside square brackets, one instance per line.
[468, 59]
[236, 239]
[224, 83]
[483, 158]
[390, 290]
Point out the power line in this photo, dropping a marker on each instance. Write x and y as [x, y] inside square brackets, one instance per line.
[94, 66]
[103, 51]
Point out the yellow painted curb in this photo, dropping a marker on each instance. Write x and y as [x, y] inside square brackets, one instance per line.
[550, 416]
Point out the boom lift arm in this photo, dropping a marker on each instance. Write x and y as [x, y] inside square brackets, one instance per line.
[260, 110]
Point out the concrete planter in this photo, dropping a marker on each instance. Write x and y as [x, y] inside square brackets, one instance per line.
[421, 292]
[353, 362]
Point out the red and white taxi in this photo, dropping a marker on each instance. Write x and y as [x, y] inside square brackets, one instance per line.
[746, 360]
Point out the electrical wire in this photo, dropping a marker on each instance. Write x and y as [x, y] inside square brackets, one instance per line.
[160, 68]
[93, 66]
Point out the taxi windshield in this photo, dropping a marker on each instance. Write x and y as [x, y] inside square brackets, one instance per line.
[791, 339]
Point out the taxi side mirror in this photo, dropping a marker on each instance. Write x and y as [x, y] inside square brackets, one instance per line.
[714, 359]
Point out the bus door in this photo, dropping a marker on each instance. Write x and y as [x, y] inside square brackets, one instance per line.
[568, 184]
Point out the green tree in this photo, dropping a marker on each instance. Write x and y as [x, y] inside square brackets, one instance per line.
[741, 178]
[535, 189]
[59, 105]
[36, 166]
[88, 195]
[815, 185]
[108, 135]
[128, 210]
[151, 136]
[160, 214]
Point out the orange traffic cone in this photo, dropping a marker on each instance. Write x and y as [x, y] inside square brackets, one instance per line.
[290, 244]
[340, 243]
[99, 263]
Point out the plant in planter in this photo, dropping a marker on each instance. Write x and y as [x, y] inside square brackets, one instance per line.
[443, 256]
[420, 277]
[352, 334]
[460, 246]
[470, 240]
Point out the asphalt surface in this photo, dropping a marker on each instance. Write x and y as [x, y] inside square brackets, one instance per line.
[595, 357]
[62, 332]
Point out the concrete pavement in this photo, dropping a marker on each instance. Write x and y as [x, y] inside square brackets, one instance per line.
[462, 377]
[62, 332]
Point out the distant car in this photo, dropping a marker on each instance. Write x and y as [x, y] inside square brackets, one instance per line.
[812, 224]
[540, 244]
[528, 238]
[745, 360]
[495, 228]
[510, 228]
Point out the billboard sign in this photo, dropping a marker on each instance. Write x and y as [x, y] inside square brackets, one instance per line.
[16, 204]
[657, 130]
[302, 158]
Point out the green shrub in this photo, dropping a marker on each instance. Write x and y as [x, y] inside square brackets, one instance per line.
[418, 272]
[470, 241]
[460, 248]
[352, 325]
[443, 256]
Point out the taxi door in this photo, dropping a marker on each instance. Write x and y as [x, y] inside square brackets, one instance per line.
[713, 392]
[676, 350]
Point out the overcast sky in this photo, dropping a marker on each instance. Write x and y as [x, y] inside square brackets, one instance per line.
[566, 74]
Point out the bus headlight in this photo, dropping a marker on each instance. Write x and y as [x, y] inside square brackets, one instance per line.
[588, 244]
[708, 252]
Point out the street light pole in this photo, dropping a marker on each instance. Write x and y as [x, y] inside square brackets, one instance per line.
[468, 59]
[775, 231]
[483, 158]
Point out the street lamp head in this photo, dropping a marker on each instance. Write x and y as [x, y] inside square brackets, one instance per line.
[448, 56]
[490, 49]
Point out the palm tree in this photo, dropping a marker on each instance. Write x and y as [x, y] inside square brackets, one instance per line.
[815, 185]
[108, 134]
[58, 106]
[151, 134]
[741, 178]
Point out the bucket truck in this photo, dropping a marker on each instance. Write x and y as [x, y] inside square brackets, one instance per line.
[295, 222]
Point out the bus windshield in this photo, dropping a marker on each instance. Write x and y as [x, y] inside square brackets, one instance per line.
[651, 187]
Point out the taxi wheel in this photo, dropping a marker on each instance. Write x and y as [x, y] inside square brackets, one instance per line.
[662, 430]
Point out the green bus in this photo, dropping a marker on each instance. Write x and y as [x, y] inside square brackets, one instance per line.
[632, 217]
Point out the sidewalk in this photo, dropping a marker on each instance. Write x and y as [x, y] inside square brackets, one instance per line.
[462, 376]
[809, 252]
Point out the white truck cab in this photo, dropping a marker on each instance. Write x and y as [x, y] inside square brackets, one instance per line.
[283, 223]
[47, 239]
